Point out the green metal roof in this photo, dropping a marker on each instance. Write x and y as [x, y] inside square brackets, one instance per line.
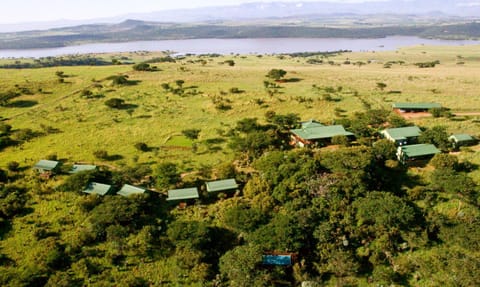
[417, 150]
[46, 164]
[321, 132]
[416, 106]
[311, 124]
[76, 168]
[97, 188]
[221, 185]
[183, 194]
[402, 133]
[461, 138]
[128, 190]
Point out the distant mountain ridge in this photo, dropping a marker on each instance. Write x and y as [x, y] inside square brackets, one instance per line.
[445, 19]
[134, 30]
[260, 10]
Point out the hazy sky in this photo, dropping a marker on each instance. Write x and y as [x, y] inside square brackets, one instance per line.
[17, 11]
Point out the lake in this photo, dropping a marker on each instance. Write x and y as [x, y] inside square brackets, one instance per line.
[239, 46]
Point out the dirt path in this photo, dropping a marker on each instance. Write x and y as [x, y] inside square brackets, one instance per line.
[409, 116]
[466, 114]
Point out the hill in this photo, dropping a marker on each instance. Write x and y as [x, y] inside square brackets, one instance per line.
[134, 30]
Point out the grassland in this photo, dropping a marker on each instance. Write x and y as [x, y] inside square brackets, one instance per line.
[156, 115]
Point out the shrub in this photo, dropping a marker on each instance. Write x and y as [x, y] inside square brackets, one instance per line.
[77, 182]
[101, 154]
[115, 103]
[141, 146]
[276, 74]
[340, 140]
[231, 63]
[25, 134]
[13, 166]
[236, 90]
[191, 133]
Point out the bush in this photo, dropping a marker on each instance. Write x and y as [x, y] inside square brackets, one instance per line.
[77, 182]
[231, 63]
[13, 166]
[445, 161]
[101, 154]
[25, 134]
[115, 103]
[191, 133]
[276, 74]
[141, 146]
[143, 67]
[236, 90]
[5, 129]
[119, 80]
[340, 140]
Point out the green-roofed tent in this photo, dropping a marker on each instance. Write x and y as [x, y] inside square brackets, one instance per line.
[128, 190]
[402, 136]
[97, 188]
[44, 166]
[221, 185]
[182, 194]
[305, 136]
[311, 124]
[458, 140]
[416, 152]
[415, 107]
[76, 168]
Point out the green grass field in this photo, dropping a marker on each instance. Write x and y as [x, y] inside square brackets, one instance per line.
[86, 125]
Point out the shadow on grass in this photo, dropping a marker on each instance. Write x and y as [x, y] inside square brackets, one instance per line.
[22, 104]
[114, 157]
[292, 80]
[5, 227]
[128, 107]
[129, 83]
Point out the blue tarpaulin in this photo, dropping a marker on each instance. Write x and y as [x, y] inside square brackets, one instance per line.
[277, 260]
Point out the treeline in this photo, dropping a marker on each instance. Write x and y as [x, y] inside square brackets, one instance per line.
[138, 31]
[58, 62]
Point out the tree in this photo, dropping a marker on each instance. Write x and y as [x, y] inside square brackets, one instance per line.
[276, 74]
[119, 80]
[190, 234]
[115, 103]
[384, 150]
[340, 140]
[231, 63]
[445, 161]
[191, 133]
[179, 83]
[5, 129]
[13, 166]
[381, 86]
[167, 175]
[141, 146]
[77, 182]
[101, 154]
[437, 136]
[142, 67]
[241, 266]
[382, 211]
[243, 217]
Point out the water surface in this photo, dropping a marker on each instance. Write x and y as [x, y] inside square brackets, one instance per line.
[239, 46]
